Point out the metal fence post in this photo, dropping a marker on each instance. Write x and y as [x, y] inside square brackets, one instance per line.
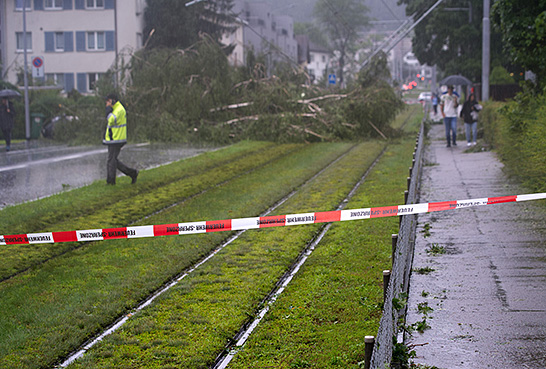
[386, 279]
[369, 342]
[394, 238]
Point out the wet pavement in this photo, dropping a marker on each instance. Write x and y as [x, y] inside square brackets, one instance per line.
[484, 298]
[44, 168]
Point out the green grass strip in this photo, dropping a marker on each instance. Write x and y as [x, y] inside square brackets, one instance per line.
[406, 119]
[153, 193]
[322, 317]
[49, 311]
[192, 323]
[39, 215]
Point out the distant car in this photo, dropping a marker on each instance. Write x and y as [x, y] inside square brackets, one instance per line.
[425, 96]
[410, 59]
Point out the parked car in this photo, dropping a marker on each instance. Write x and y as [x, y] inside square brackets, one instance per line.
[425, 96]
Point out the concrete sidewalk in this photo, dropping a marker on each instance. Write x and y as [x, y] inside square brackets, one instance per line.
[486, 293]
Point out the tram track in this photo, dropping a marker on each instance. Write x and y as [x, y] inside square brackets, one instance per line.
[186, 274]
[44, 273]
[147, 301]
[239, 340]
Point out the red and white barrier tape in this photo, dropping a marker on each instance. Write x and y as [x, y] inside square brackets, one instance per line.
[257, 222]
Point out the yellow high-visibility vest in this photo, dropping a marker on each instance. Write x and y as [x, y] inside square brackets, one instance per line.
[116, 130]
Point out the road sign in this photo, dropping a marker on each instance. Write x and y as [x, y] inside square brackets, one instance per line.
[332, 79]
[38, 67]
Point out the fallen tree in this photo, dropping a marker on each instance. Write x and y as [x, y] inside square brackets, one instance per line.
[194, 95]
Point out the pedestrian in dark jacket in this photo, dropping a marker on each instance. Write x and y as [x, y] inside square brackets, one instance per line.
[7, 117]
[469, 113]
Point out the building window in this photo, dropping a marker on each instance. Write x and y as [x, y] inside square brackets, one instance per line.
[55, 79]
[94, 4]
[95, 41]
[59, 41]
[139, 7]
[53, 4]
[20, 41]
[19, 5]
[92, 79]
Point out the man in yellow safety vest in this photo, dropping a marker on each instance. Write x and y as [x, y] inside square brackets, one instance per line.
[115, 137]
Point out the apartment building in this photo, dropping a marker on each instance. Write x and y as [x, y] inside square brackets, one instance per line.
[320, 62]
[77, 40]
[261, 32]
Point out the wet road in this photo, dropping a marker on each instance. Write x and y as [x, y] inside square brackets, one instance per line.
[45, 169]
[484, 298]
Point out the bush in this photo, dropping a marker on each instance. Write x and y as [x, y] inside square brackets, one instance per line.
[518, 132]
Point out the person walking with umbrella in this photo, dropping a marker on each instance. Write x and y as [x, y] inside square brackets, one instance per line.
[7, 119]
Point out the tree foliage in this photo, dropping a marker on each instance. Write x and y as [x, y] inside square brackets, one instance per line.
[194, 95]
[451, 37]
[373, 91]
[172, 24]
[341, 20]
[523, 27]
[500, 76]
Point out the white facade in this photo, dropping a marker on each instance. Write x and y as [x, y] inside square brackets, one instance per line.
[262, 32]
[78, 40]
[319, 63]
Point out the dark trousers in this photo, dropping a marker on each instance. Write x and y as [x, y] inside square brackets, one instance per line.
[113, 164]
[7, 136]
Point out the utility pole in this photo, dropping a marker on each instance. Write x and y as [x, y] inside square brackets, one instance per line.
[25, 72]
[485, 51]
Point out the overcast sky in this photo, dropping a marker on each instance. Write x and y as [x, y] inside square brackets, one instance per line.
[302, 10]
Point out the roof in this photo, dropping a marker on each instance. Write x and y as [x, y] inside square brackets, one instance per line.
[313, 47]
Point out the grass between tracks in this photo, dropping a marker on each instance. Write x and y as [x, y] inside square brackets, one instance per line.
[100, 206]
[55, 306]
[193, 323]
[51, 309]
[322, 318]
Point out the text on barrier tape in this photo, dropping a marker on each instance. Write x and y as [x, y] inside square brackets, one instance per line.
[256, 222]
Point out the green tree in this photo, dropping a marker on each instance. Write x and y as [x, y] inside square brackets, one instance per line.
[341, 19]
[500, 76]
[451, 37]
[172, 24]
[523, 27]
[373, 103]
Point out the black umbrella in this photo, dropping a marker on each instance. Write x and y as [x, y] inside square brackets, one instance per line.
[9, 93]
[456, 80]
